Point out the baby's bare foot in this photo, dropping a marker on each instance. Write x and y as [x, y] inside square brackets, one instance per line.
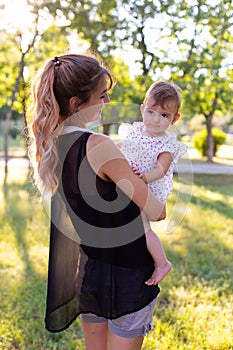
[159, 273]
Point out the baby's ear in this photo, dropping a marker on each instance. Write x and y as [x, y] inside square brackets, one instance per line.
[176, 117]
[142, 106]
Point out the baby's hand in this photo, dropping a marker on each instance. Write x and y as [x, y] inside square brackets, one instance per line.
[137, 172]
[143, 177]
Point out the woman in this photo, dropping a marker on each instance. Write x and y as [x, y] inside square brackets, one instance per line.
[98, 261]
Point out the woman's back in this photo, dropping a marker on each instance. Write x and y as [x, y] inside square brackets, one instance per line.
[113, 257]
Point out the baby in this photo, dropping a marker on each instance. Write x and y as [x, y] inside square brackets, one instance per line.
[152, 153]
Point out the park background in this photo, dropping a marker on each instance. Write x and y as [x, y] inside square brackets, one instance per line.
[188, 42]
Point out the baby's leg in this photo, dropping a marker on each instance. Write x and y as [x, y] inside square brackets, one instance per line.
[154, 246]
[162, 265]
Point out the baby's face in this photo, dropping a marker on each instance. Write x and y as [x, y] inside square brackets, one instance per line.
[157, 118]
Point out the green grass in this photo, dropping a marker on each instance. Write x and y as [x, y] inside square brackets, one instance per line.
[194, 310]
[195, 305]
[23, 271]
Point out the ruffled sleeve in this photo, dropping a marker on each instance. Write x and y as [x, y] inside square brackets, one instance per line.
[124, 130]
[176, 148]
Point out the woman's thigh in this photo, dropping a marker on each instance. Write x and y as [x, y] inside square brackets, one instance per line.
[115, 342]
[124, 333]
[95, 335]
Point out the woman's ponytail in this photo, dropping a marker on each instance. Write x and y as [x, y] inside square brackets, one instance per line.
[45, 120]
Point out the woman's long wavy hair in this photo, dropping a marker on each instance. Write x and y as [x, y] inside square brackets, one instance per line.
[52, 88]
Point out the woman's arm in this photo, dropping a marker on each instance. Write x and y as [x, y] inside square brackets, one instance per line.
[110, 164]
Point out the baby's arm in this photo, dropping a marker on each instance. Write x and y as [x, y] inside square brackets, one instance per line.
[163, 163]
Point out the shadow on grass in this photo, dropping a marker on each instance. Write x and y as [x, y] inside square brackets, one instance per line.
[201, 277]
[25, 296]
[17, 213]
[219, 184]
[221, 207]
[204, 252]
[222, 184]
[205, 257]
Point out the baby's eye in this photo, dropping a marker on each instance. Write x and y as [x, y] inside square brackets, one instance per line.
[150, 111]
[164, 115]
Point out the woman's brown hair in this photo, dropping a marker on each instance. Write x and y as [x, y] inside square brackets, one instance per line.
[53, 87]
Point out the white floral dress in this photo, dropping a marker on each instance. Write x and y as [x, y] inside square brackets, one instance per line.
[142, 153]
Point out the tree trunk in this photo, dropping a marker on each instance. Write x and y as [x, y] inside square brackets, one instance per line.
[6, 134]
[106, 129]
[9, 112]
[25, 130]
[13, 96]
[210, 140]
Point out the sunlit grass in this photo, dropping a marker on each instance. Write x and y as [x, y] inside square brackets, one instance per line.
[194, 310]
[24, 238]
[195, 305]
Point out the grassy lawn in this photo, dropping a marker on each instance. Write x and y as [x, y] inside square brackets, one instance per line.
[194, 310]
[195, 305]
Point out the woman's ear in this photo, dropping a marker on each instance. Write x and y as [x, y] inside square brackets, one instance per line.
[74, 104]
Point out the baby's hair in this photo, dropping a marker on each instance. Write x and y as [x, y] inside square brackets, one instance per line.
[55, 84]
[163, 92]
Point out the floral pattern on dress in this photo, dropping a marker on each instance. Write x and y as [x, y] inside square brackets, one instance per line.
[142, 153]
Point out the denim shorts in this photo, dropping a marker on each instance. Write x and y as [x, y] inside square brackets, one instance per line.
[128, 326]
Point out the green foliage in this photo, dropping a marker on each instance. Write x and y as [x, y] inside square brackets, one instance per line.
[3, 111]
[200, 140]
[203, 69]
[189, 43]
[9, 59]
[14, 132]
[53, 42]
[96, 22]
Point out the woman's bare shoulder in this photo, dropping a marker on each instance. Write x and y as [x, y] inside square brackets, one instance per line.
[102, 141]
[101, 149]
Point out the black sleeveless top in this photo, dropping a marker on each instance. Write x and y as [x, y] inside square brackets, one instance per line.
[101, 267]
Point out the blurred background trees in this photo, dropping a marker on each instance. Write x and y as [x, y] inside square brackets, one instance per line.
[188, 42]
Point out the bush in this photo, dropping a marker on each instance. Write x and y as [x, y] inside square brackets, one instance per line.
[14, 132]
[200, 140]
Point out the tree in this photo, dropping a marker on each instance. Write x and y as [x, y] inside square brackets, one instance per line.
[95, 22]
[29, 50]
[122, 108]
[145, 25]
[23, 53]
[187, 42]
[203, 66]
